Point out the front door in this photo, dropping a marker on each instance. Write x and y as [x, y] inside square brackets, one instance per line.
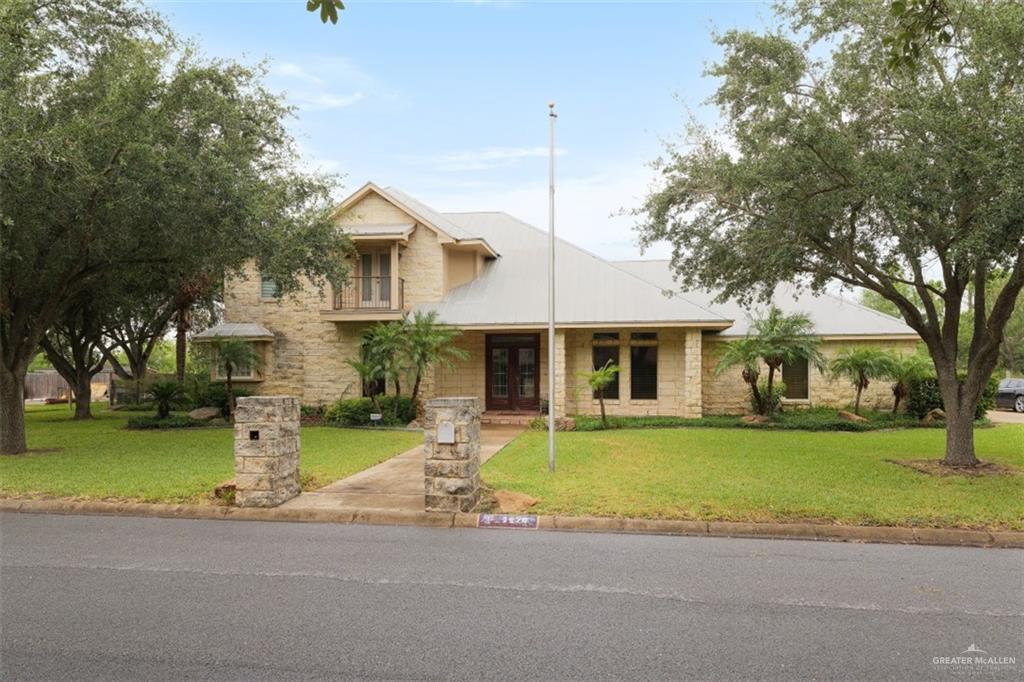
[512, 371]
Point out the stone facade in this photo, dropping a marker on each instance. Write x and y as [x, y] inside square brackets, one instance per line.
[266, 450]
[727, 393]
[307, 358]
[451, 454]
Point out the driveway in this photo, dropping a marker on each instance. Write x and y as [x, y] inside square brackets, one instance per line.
[164, 599]
[396, 483]
[1005, 417]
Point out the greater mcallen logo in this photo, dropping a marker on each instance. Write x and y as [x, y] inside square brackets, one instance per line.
[974, 658]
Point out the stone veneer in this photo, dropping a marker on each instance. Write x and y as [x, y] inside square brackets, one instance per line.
[727, 393]
[451, 470]
[266, 450]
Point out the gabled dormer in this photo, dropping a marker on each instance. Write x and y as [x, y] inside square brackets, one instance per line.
[406, 253]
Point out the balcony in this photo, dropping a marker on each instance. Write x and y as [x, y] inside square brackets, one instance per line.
[368, 298]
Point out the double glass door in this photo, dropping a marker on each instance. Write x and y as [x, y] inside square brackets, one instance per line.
[375, 279]
[513, 372]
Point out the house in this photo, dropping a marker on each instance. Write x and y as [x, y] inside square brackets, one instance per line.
[486, 273]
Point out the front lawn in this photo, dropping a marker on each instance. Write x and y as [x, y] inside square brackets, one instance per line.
[101, 459]
[764, 475]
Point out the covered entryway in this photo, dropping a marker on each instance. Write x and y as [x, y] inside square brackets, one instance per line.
[512, 372]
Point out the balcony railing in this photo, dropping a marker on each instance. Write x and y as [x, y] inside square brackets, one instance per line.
[370, 293]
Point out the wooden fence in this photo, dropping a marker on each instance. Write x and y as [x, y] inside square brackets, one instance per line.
[48, 384]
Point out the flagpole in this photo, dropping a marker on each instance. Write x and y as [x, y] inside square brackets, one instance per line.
[551, 288]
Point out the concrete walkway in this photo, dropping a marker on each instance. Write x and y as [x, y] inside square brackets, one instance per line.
[394, 484]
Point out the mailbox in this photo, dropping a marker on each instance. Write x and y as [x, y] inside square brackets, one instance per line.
[445, 433]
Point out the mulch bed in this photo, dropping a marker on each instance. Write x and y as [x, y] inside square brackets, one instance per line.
[934, 467]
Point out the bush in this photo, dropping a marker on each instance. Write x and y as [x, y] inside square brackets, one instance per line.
[209, 394]
[925, 396]
[817, 419]
[178, 421]
[778, 391]
[356, 411]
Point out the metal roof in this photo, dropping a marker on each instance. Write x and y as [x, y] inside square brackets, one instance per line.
[241, 330]
[512, 290]
[397, 230]
[832, 315]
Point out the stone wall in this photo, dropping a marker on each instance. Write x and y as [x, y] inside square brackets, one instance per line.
[727, 394]
[266, 450]
[451, 454]
[307, 356]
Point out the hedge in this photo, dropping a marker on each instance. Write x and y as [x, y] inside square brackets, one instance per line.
[175, 421]
[925, 397]
[356, 411]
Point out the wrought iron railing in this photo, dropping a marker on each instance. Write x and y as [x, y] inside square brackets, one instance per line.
[370, 293]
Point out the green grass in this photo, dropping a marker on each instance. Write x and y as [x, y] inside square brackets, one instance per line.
[816, 419]
[765, 475]
[100, 459]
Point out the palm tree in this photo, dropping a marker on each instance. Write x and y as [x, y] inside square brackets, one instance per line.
[233, 354]
[428, 342]
[775, 340]
[860, 366]
[599, 380]
[166, 394]
[904, 371]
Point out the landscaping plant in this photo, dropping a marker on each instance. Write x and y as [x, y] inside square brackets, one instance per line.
[233, 354]
[166, 394]
[903, 372]
[773, 340]
[600, 379]
[860, 365]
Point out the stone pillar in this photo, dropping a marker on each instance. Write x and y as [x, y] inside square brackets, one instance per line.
[266, 450]
[451, 454]
[560, 374]
[693, 374]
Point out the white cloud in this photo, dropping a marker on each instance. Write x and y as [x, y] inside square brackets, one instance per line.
[292, 70]
[323, 101]
[482, 159]
[587, 208]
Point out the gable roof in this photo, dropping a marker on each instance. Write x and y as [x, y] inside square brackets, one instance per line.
[832, 315]
[447, 231]
[513, 289]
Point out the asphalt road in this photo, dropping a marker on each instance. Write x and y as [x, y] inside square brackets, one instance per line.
[117, 598]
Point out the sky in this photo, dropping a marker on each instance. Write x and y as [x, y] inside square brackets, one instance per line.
[448, 100]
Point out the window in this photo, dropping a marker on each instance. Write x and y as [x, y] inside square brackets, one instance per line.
[606, 349]
[372, 388]
[794, 375]
[236, 373]
[268, 287]
[643, 366]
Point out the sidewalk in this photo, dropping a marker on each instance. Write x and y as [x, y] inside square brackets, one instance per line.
[394, 484]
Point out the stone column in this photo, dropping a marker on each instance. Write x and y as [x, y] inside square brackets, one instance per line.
[693, 374]
[266, 450]
[451, 454]
[558, 400]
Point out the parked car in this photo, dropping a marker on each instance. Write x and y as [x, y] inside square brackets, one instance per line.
[1010, 395]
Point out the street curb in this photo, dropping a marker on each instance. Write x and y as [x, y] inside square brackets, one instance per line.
[586, 524]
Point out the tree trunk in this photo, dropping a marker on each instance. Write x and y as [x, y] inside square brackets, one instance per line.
[83, 394]
[959, 405]
[600, 399]
[897, 394]
[856, 402]
[12, 412]
[770, 399]
[230, 393]
[416, 387]
[180, 351]
[960, 439]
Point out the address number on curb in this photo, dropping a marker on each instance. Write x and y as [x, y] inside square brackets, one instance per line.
[514, 521]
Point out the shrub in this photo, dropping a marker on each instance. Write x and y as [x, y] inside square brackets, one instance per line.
[172, 422]
[215, 395]
[778, 392]
[167, 394]
[356, 411]
[925, 396]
